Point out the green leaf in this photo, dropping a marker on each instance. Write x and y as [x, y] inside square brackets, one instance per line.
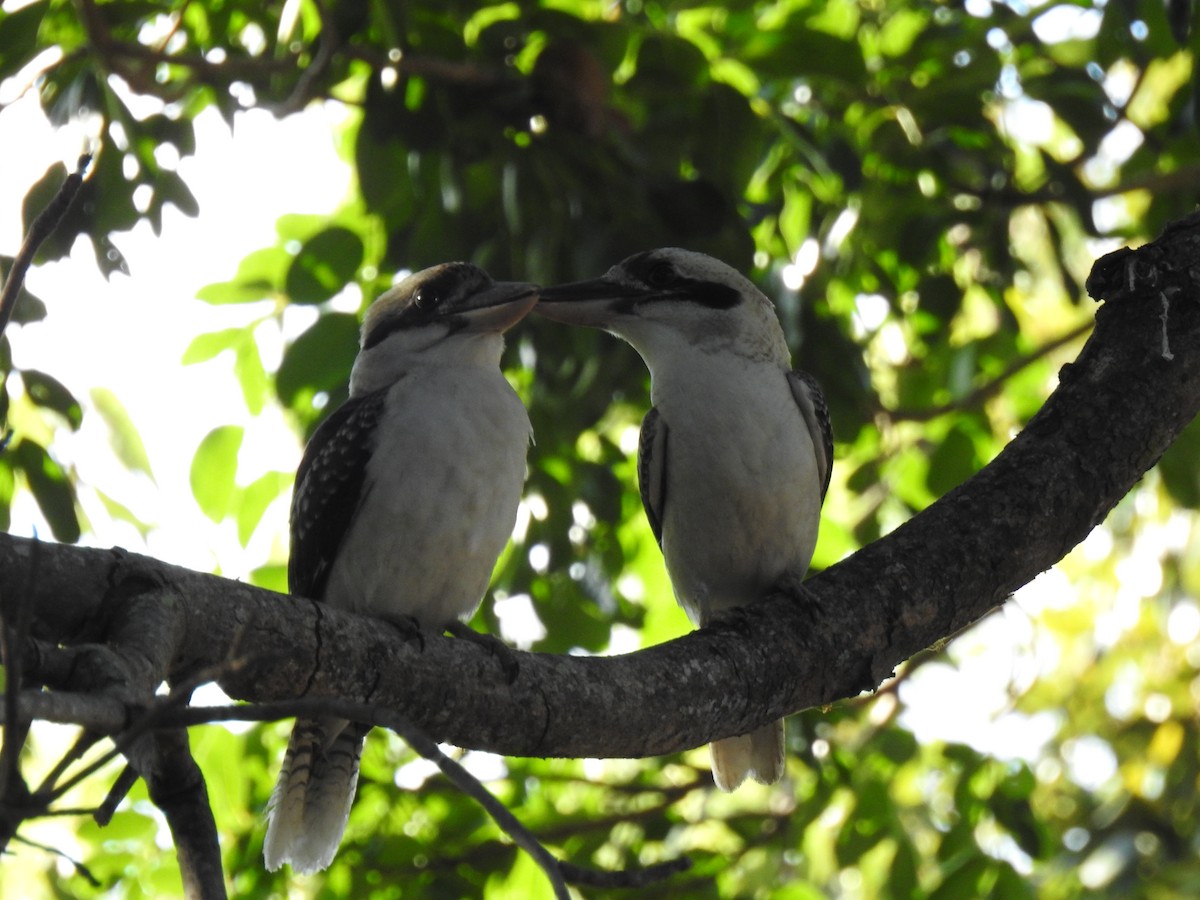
[324, 265]
[7, 486]
[122, 513]
[214, 469]
[18, 36]
[50, 393]
[251, 375]
[37, 198]
[179, 132]
[259, 277]
[255, 499]
[109, 259]
[175, 190]
[51, 489]
[208, 346]
[122, 434]
[273, 577]
[953, 462]
[319, 359]
[1178, 468]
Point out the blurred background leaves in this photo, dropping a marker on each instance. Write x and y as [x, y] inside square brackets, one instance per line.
[921, 187]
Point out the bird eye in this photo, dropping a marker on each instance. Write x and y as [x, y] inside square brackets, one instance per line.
[426, 298]
[660, 275]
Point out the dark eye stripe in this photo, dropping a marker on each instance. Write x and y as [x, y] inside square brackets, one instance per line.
[650, 269]
[709, 293]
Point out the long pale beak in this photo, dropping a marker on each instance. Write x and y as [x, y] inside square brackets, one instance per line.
[594, 302]
[500, 307]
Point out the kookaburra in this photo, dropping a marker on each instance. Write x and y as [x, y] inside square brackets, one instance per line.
[404, 498]
[735, 453]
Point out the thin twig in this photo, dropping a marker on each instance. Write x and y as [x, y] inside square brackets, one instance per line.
[79, 867]
[85, 773]
[413, 736]
[85, 741]
[121, 787]
[558, 873]
[43, 226]
[990, 388]
[472, 787]
[624, 878]
[141, 725]
[328, 40]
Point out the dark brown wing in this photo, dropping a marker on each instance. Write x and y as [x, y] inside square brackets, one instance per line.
[812, 406]
[329, 488]
[652, 469]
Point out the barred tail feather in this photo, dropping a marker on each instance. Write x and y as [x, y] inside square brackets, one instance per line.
[758, 755]
[309, 807]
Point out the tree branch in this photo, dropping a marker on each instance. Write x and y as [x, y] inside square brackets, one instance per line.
[41, 228]
[1134, 387]
[136, 62]
[177, 787]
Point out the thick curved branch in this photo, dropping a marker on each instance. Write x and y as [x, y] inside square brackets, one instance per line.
[1134, 387]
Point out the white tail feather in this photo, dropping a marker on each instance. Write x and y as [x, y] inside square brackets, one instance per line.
[758, 755]
[310, 805]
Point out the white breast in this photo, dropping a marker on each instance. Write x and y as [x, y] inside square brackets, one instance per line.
[743, 493]
[440, 497]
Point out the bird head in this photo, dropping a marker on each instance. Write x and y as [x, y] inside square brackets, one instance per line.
[449, 314]
[672, 301]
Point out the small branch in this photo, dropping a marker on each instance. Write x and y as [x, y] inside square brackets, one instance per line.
[177, 788]
[76, 864]
[104, 813]
[96, 712]
[473, 788]
[421, 743]
[626, 878]
[136, 62]
[559, 873]
[991, 388]
[327, 43]
[43, 226]
[429, 67]
[83, 743]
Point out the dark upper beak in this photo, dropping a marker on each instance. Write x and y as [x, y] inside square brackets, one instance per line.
[593, 302]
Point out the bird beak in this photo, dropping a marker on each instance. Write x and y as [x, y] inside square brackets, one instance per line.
[586, 302]
[500, 307]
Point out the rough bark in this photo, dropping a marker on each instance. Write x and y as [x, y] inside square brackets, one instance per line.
[1134, 387]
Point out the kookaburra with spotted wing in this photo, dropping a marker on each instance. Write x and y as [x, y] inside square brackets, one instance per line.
[404, 498]
[735, 452]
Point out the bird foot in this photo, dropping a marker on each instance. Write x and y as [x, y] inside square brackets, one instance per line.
[409, 628]
[501, 652]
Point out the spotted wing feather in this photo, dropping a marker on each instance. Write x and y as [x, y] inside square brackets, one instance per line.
[329, 488]
[652, 469]
[811, 402]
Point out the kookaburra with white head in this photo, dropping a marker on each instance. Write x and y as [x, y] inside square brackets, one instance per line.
[735, 452]
[404, 498]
